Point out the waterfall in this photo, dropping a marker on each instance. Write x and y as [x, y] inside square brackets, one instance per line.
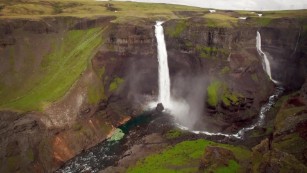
[266, 66]
[164, 79]
[180, 108]
[266, 62]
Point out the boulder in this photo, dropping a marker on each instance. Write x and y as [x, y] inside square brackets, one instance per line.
[159, 107]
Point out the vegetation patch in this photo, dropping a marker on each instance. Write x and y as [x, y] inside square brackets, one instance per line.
[220, 20]
[255, 77]
[90, 8]
[213, 92]
[116, 82]
[210, 52]
[219, 92]
[117, 135]
[13, 163]
[291, 143]
[185, 157]
[29, 9]
[172, 134]
[30, 155]
[60, 68]
[264, 21]
[176, 30]
[229, 97]
[286, 113]
[225, 70]
[95, 93]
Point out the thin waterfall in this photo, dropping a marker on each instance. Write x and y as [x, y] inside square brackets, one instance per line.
[266, 62]
[266, 66]
[164, 79]
[297, 41]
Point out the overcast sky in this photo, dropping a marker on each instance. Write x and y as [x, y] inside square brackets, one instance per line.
[238, 4]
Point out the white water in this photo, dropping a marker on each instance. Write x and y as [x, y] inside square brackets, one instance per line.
[181, 108]
[164, 79]
[258, 5]
[267, 65]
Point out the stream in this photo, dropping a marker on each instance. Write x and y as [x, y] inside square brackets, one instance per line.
[109, 152]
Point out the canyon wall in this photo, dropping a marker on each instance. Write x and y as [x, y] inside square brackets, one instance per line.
[67, 83]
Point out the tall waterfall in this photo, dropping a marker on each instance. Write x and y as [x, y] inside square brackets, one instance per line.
[164, 79]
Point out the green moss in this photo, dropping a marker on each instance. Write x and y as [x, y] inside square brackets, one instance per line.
[219, 92]
[232, 167]
[178, 29]
[189, 44]
[27, 8]
[116, 82]
[101, 71]
[259, 132]
[61, 67]
[220, 20]
[229, 97]
[213, 92]
[225, 70]
[285, 113]
[210, 52]
[95, 93]
[173, 134]
[184, 157]
[291, 143]
[264, 21]
[13, 163]
[118, 134]
[255, 77]
[30, 155]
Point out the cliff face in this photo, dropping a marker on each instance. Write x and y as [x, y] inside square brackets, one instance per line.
[78, 101]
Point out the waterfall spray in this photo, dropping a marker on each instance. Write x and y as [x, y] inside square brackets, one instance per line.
[164, 79]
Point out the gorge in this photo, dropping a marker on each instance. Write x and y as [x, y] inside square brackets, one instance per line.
[78, 79]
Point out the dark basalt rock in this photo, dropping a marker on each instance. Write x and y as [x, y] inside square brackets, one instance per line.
[159, 107]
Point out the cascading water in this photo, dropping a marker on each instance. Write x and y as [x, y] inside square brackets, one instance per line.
[164, 79]
[267, 66]
[180, 106]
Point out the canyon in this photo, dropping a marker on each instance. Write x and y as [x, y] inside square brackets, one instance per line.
[69, 81]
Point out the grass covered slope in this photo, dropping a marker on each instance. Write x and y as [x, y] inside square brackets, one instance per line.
[128, 11]
[58, 70]
[193, 156]
[87, 8]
